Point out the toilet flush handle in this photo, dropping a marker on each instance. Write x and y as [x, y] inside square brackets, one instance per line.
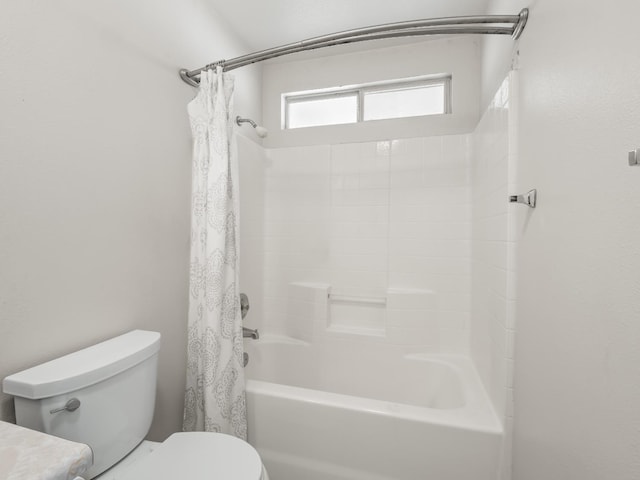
[72, 405]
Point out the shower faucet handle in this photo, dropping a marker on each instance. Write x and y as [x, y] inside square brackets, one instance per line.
[244, 305]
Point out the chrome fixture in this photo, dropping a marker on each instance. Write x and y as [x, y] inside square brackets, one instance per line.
[244, 305]
[634, 157]
[244, 309]
[260, 131]
[250, 333]
[71, 406]
[245, 359]
[482, 24]
[528, 199]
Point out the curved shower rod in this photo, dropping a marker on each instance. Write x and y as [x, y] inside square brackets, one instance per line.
[483, 24]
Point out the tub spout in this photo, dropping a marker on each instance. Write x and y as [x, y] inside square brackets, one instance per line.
[250, 333]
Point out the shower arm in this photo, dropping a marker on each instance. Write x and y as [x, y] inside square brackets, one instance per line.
[483, 24]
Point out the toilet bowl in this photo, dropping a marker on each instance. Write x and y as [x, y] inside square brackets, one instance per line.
[196, 455]
[104, 396]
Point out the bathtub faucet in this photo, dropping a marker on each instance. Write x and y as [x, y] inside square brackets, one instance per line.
[250, 333]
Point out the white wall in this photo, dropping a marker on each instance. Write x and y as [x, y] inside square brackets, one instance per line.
[456, 55]
[577, 355]
[95, 177]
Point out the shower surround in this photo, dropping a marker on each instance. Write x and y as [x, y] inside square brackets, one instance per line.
[387, 318]
[367, 219]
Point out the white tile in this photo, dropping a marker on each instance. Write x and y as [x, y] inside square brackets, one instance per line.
[453, 340]
[510, 344]
[359, 246]
[413, 246]
[454, 320]
[305, 292]
[511, 286]
[361, 281]
[363, 262]
[345, 165]
[373, 197]
[408, 147]
[509, 373]
[412, 318]
[405, 179]
[433, 265]
[413, 299]
[455, 149]
[345, 198]
[345, 150]
[511, 315]
[373, 180]
[455, 302]
[380, 149]
[412, 336]
[407, 162]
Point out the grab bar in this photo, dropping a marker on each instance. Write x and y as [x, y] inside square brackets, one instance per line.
[244, 305]
[357, 299]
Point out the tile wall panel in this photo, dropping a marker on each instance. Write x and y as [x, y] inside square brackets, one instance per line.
[368, 218]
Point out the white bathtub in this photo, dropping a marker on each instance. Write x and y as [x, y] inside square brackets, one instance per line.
[378, 414]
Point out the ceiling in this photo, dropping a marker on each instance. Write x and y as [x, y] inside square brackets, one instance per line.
[269, 23]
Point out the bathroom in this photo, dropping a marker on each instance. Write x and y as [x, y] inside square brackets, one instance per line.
[95, 197]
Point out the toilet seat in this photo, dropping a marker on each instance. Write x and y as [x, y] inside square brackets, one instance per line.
[199, 455]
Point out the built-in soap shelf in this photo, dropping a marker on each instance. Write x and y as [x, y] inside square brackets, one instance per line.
[399, 315]
[356, 313]
[381, 301]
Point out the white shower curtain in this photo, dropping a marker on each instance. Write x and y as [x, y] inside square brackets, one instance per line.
[214, 396]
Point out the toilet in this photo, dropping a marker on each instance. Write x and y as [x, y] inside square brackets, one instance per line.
[104, 396]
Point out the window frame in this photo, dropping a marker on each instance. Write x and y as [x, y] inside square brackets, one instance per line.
[360, 90]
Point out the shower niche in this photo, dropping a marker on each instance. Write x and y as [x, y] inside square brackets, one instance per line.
[401, 316]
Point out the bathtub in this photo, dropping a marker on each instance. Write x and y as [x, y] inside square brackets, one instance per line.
[380, 414]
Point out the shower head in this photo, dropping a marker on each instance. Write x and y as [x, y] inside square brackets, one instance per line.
[260, 131]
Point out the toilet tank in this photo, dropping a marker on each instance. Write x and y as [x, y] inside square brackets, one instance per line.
[115, 382]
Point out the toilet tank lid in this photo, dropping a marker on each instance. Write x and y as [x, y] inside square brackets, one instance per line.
[84, 367]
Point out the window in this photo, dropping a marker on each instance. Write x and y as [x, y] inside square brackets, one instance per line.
[313, 111]
[396, 99]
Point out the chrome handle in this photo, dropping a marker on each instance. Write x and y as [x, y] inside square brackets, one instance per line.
[71, 406]
[244, 305]
[528, 199]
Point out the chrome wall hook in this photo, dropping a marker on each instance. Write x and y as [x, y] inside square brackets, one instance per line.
[529, 198]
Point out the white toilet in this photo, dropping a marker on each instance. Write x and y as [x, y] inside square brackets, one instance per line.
[104, 396]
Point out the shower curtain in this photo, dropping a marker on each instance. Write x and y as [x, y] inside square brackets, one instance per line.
[214, 396]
